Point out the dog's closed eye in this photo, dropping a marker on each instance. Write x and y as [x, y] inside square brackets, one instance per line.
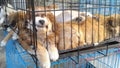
[78, 19]
[110, 22]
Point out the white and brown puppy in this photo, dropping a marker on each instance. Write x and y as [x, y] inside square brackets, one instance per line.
[19, 19]
[110, 23]
[46, 25]
[45, 33]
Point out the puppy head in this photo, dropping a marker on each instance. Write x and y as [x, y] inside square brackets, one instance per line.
[43, 21]
[112, 23]
[113, 20]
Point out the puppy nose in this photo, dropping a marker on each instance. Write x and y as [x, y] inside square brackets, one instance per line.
[41, 22]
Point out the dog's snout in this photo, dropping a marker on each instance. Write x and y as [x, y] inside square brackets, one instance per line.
[41, 22]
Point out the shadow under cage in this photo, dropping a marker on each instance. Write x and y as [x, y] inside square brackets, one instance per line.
[61, 33]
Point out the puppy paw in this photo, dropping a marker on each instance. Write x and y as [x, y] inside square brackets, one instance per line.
[53, 53]
[15, 36]
[43, 57]
[8, 29]
[46, 65]
[3, 43]
[95, 44]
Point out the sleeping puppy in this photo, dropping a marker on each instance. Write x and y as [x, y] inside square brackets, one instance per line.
[96, 31]
[92, 31]
[110, 23]
[113, 23]
[69, 35]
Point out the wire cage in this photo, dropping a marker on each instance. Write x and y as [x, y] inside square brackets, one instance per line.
[106, 54]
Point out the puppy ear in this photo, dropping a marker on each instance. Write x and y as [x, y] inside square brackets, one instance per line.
[51, 17]
[52, 20]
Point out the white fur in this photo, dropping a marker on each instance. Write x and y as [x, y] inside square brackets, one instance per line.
[95, 44]
[2, 15]
[9, 9]
[31, 51]
[53, 52]
[56, 13]
[86, 14]
[3, 43]
[8, 29]
[2, 20]
[67, 15]
[40, 26]
[43, 58]
[15, 36]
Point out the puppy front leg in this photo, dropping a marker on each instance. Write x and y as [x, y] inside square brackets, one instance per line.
[4, 41]
[53, 52]
[43, 56]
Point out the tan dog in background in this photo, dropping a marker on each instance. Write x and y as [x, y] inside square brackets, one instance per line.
[110, 23]
[93, 33]
[114, 24]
